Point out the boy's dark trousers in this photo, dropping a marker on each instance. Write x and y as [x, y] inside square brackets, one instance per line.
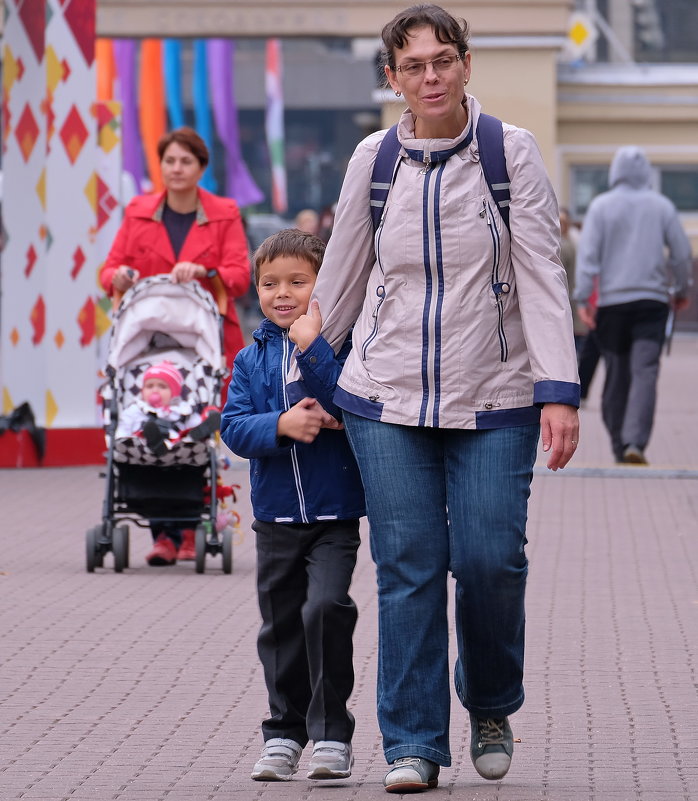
[305, 643]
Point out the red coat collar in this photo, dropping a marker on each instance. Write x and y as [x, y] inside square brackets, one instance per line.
[210, 207]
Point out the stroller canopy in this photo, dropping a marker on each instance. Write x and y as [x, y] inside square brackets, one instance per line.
[155, 306]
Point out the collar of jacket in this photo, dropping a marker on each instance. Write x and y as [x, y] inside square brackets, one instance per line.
[268, 330]
[209, 207]
[441, 155]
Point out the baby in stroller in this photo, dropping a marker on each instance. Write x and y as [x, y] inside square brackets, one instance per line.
[161, 417]
[161, 413]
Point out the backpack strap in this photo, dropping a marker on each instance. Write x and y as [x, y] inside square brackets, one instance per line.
[490, 139]
[490, 142]
[383, 173]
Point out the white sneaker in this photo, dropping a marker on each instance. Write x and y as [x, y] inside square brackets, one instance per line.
[331, 760]
[279, 760]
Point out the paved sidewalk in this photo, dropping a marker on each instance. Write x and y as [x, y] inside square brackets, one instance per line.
[145, 685]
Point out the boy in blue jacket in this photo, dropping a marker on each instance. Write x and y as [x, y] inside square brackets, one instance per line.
[307, 499]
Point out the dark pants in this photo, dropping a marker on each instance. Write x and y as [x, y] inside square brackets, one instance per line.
[588, 357]
[631, 336]
[305, 643]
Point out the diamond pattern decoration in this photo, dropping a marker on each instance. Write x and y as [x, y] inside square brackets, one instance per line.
[80, 18]
[37, 318]
[59, 339]
[86, 322]
[79, 260]
[73, 134]
[27, 132]
[41, 188]
[14, 336]
[32, 14]
[31, 261]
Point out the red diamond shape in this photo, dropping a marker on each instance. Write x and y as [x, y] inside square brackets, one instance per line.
[27, 132]
[73, 134]
[78, 261]
[31, 261]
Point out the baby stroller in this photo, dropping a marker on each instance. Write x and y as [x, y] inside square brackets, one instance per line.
[158, 320]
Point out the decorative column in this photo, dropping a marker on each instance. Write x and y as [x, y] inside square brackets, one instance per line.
[52, 202]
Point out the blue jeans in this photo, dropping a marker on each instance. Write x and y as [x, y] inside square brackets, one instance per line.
[441, 500]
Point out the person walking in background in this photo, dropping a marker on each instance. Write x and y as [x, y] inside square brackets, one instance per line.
[463, 352]
[184, 231]
[307, 499]
[626, 236]
[568, 257]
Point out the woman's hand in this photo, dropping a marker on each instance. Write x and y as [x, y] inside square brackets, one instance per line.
[185, 271]
[307, 327]
[559, 425]
[124, 278]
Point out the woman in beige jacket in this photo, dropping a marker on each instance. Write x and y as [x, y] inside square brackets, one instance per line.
[463, 351]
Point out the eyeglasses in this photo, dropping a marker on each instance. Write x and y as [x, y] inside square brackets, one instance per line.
[441, 64]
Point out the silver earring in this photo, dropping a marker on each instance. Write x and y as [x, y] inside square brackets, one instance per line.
[397, 94]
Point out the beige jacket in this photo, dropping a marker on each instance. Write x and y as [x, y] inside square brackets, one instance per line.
[455, 326]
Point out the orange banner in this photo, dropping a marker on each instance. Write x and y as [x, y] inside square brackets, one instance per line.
[153, 117]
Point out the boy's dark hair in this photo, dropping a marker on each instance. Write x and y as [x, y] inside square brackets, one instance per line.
[289, 242]
[447, 29]
[187, 138]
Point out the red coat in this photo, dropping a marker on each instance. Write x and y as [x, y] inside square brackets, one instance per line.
[216, 241]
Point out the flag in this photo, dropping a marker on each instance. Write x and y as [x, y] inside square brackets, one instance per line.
[152, 114]
[275, 126]
[172, 62]
[239, 183]
[125, 57]
[202, 110]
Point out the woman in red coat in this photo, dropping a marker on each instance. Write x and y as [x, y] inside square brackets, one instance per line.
[192, 235]
[186, 232]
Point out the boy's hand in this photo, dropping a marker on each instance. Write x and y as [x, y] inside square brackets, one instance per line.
[303, 421]
[307, 327]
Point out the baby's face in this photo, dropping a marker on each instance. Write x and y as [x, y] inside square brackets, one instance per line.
[156, 392]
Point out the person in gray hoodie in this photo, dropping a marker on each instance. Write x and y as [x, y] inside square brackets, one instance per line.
[632, 240]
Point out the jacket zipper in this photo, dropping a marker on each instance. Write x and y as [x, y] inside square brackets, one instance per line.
[497, 287]
[286, 352]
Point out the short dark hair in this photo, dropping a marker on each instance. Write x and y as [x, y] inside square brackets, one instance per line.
[289, 242]
[188, 138]
[447, 29]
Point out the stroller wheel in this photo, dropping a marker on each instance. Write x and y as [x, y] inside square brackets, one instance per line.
[227, 550]
[200, 543]
[94, 556]
[120, 542]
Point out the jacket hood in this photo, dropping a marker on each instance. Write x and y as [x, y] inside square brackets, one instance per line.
[630, 166]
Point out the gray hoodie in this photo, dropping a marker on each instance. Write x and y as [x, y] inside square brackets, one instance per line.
[632, 239]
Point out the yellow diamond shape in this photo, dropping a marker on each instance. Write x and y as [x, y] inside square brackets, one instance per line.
[579, 33]
[7, 402]
[51, 408]
[59, 339]
[41, 189]
[91, 191]
[14, 336]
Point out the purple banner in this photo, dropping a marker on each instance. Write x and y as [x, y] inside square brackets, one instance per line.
[239, 183]
[125, 57]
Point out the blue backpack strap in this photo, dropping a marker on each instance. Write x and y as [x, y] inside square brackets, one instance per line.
[383, 174]
[490, 141]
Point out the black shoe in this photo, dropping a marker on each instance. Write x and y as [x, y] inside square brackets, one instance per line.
[206, 429]
[154, 438]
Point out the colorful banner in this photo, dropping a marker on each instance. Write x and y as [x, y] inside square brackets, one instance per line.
[275, 126]
[202, 109]
[106, 69]
[152, 114]
[239, 183]
[172, 56]
[125, 57]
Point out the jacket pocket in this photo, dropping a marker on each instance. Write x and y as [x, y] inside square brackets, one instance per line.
[380, 293]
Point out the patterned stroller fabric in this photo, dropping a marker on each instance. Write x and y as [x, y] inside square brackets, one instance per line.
[156, 321]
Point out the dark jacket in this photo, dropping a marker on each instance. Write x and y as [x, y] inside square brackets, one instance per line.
[292, 482]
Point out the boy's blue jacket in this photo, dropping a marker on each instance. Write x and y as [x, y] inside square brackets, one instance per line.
[292, 482]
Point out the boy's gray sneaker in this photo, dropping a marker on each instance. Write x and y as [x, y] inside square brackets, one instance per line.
[331, 760]
[279, 760]
[411, 775]
[491, 746]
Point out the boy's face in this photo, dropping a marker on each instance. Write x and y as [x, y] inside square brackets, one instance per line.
[285, 286]
[156, 392]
